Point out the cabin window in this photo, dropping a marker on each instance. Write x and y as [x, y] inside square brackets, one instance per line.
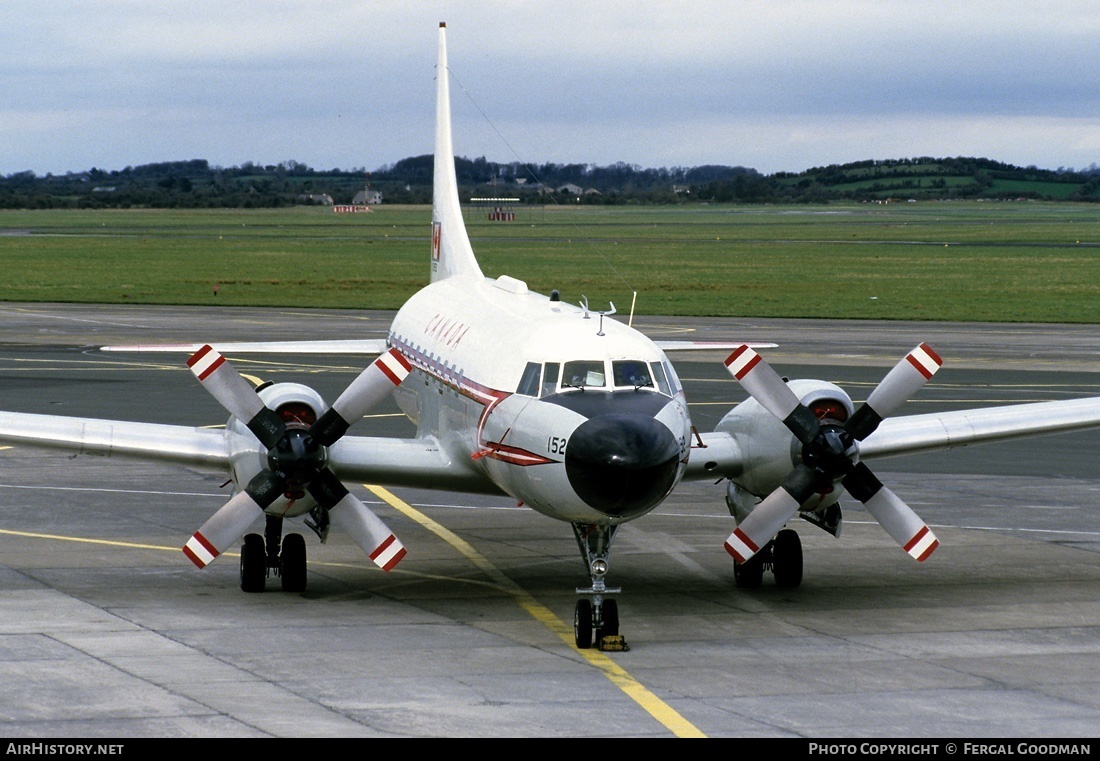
[660, 378]
[550, 379]
[584, 373]
[529, 383]
[631, 372]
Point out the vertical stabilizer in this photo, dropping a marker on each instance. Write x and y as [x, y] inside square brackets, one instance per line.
[452, 253]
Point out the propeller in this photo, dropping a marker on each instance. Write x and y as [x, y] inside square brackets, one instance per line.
[296, 458]
[830, 453]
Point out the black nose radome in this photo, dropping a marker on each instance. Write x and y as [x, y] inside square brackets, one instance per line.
[622, 465]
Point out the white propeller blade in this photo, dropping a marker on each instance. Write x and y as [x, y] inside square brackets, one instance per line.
[769, 516]
[765, 386]
[368, 531]
[905, 379]
[761, 381]
[373, 384]
[224, 383]
[222, 530]
[764, 522]
[236, 394]
[904, 525]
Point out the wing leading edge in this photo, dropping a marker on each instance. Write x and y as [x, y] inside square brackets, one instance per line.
[419, 462]
[720, 454]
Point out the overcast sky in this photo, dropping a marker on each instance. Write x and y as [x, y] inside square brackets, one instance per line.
[777, 85]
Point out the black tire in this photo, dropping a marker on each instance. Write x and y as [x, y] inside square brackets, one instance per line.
[750, 574]
[292, 563]
[610, 625]
[582, 624]
[787, 559]
[253, 563]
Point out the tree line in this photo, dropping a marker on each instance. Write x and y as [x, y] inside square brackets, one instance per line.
[198, 184]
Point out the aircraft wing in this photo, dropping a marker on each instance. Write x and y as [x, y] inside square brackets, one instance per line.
[946, 430]
[710, 345]
[151, 441]
[721, 456]
[370, 346]
[420, 462]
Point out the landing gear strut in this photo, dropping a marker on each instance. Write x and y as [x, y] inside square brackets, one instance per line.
[782, 555]
[260, 555]
[595, 614]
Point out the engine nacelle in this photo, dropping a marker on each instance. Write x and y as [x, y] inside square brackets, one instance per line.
[771, 451]
[299, 406]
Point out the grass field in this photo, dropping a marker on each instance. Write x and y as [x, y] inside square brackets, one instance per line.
[954, 261]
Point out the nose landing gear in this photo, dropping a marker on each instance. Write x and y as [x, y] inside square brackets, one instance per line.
[596, 615]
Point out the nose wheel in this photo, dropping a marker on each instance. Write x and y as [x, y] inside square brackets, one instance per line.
[599, 617]
[596, 615]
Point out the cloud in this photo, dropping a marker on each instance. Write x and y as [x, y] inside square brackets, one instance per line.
[780, 85]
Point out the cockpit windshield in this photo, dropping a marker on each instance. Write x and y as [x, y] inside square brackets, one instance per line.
[552, 378]
[631, 372]
[584, 373]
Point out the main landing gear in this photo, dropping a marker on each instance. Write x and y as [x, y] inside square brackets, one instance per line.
[262, 554]
[782, 556]
[596, 615]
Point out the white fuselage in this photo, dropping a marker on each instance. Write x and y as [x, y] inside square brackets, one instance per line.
[497, 378]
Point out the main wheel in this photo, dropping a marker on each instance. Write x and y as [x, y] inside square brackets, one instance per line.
[582, 624]
[787, 559]
[750, 574]
[292, 563]
[610, 626]
[253, 563]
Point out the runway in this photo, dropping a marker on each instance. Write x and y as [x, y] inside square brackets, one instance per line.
[107, 631]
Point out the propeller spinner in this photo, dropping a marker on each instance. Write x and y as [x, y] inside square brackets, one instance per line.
[830, 453]
[296, 458]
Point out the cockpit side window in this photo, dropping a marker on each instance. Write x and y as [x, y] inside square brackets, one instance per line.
[631, 372]
[550, 379]
[584, 373]
[660, 378]
[529, 383]
[673, 380]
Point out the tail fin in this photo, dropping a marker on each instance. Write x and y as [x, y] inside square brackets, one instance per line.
[452, 253]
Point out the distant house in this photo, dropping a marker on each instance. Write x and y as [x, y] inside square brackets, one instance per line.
[321, 198]
[368, 197]
[571, 189]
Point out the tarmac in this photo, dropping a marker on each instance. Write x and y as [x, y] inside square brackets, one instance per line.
[107, 631]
